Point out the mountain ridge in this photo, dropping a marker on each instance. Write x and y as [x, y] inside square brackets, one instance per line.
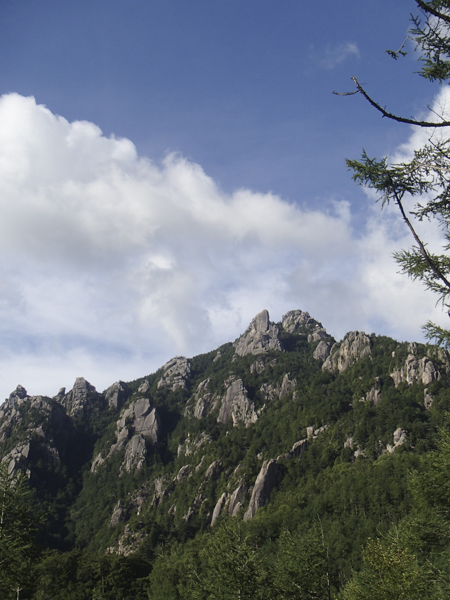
[221, 434]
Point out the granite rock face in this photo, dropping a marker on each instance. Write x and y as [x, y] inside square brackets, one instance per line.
[353, 347]
[261, 336]
[79, 397]
[322, 351]
[176, 372]
[204, 400]
[236, 404]
[272, 392]
[400, 437]
[116, 394]
[138, 424]
[135, 453]
[298, 321]
[268, 479]
[414, 370]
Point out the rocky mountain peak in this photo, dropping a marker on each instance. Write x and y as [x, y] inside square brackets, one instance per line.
[260, 336]
[77, 398]
[175, 373]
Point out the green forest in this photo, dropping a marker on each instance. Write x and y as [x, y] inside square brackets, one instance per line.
[281, 466]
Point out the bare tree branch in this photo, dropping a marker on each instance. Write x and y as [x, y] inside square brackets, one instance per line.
[385, 113]
[421, 245]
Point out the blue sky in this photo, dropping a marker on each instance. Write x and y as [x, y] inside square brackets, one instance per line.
[187, 172]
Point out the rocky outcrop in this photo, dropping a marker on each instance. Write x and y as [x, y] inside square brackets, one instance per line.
[299, 448]
[144, 387]
[353, 347]
[236, 404]
[261, 336]
[204, 401]
[313, 433]
[192, 444]
[374, 394]
[79, 397]
[322, 351]
[214, 469]
[237, 499]
[135, 453]
[129, 541]
[427, 399]
[400, 437]
[116, 394]
[138, 424]
[17, 457]
[218, 508]
[143, 419]
[300, 322]
[176, 372]
[18, 396]
[423, 370]
[118, 514]
[271, 392]
[268, 479]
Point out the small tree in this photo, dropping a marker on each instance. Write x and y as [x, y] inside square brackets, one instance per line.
[301, 571]
[230, 569]
[17, 548]
[427, 175]
[390, 572]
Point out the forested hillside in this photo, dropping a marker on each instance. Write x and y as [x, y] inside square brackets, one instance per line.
[277, 465]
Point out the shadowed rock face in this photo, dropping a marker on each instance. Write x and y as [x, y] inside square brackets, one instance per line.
[77, 398]
[261, 336]
[116, 394]
[268, 478]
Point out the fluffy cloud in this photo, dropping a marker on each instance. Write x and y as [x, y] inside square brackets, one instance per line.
[110, 264]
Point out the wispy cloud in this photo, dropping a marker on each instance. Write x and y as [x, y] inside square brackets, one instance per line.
[333, 55]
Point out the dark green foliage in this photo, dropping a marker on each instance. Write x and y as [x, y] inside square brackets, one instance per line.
[77, 575]
[328, 503]
[17, 529]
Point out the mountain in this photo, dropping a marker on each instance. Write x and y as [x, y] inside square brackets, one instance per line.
[281, 428]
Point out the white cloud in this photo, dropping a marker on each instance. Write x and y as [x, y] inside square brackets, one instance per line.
[111, 264]
[333, 55]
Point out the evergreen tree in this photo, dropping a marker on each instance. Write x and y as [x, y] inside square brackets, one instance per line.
[426, 175]
[17, 548]
[231, 568]
[390, 572]
[301, 571]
